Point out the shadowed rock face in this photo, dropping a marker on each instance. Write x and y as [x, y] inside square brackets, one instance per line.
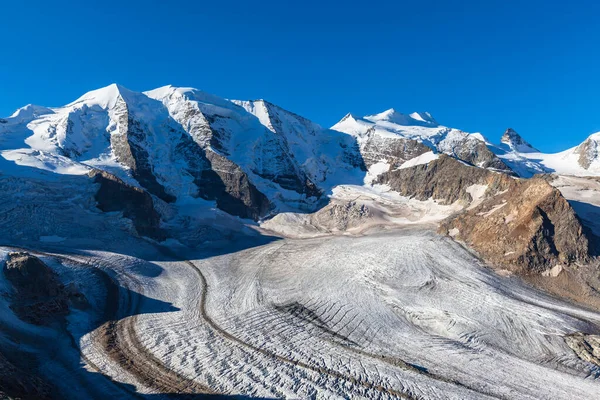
[30, 276]
[16, 383]
[115, 195]
[277, 160]
[40, 296]
[530, 226]
[226, 183]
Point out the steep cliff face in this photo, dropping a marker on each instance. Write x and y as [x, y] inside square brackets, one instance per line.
[230, 186]
[516, 223]
[287, 157]
[136, 204]
[529, 226]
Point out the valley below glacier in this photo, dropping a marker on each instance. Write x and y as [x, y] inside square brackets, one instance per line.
[401, 313]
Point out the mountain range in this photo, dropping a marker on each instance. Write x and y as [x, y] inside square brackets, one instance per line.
[175, 244]
[251, 158]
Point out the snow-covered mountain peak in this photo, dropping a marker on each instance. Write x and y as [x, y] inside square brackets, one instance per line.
[171, 94]
[106, 97]
[594, 136]
[394, 117]
[513, 140]
[424, 117]
[349, 117]
[387, 115]
[29, 112]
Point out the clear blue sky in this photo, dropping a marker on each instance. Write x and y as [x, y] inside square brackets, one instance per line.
[475, 65]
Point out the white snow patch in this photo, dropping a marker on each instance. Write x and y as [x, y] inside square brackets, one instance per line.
[375, 170]
[424, 158]
[477, 193]
[553, 272]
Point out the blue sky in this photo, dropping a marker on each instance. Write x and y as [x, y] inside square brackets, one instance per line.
[475, 65]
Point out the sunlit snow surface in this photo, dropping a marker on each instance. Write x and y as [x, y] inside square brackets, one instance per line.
[399, 313]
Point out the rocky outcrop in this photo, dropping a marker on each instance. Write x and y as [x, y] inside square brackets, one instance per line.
[475, 152]
[127, 145]
[136, 204]
[445, 180]
[341, 217]
[588, 151]
[39, 296]
[229, 185]
[513, 140]
[529, 226]
[395, 151]
[587, 347]
[523, 224]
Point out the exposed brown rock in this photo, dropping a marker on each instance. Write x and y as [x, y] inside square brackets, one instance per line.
[529, 226]
[31, 277]
[136, 204]
[520, 224]
[445, 179]
[476, 152]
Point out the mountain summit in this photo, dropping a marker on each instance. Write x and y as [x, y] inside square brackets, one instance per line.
[513, 140]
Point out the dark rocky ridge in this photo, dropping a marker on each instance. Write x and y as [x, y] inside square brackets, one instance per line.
[476, 152]
[230, 186]
[136, 204]
[39, 297]
[514, 140]
[127, 147]
[524, 224]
